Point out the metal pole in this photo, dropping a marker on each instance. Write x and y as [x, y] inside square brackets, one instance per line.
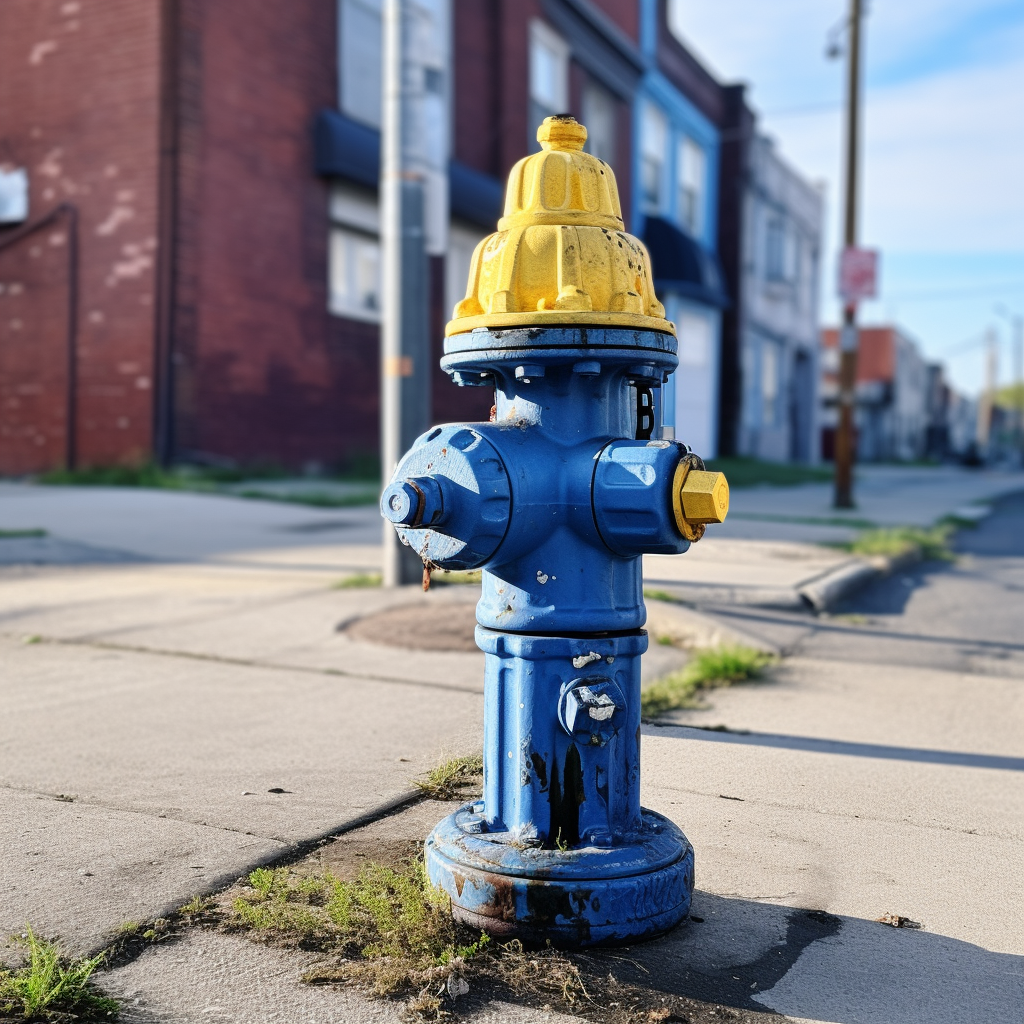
[405, 325]
[848, 334]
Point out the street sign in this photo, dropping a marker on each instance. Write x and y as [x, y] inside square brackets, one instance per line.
[858, 274]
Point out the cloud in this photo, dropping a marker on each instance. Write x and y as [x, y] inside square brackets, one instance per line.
[942, 161]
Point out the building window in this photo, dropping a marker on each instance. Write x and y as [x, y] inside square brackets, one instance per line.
[549, 76]
[769, 383]
[355, 275]
[360, 56]
[354, 254]
[599, 117]
[462, 243]
[694, 341]
[653, 136]
[775, 250]
[690, 174]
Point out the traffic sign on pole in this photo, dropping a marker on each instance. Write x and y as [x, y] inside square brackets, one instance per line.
[858, 274]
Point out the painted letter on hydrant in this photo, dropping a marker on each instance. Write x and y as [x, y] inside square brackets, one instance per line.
[556, 500]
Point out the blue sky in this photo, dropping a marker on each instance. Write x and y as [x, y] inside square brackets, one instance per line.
[943, 166]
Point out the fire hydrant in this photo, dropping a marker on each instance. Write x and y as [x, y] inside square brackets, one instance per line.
[556, 499]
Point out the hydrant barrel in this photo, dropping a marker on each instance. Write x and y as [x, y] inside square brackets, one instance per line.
[557, 499]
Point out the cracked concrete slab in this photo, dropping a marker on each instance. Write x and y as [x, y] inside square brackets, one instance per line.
[195, 744]
[78, 870]
[209, 977]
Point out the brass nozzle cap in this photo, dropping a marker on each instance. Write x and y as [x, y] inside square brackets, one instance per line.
[699, 497]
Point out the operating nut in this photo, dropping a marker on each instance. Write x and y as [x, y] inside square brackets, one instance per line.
[698, 498]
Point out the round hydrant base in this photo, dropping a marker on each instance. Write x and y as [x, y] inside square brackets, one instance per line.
[635, 889]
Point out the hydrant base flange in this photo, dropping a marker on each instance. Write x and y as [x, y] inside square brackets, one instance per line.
[636, 889]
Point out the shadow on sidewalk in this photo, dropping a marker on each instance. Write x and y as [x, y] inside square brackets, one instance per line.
[809, 964]
[817, 745]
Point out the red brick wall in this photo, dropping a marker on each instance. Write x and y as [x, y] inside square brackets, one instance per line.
[78, 108]
[263, 372]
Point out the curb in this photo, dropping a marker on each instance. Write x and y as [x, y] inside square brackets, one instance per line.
[824, 592]
[817, 594]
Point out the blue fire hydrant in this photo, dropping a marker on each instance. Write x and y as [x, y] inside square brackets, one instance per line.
[556, 499]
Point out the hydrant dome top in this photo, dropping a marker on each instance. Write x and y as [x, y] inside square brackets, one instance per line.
[560, 255]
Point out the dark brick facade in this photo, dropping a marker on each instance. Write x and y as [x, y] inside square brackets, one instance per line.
[79, 110]
[262, 372]
[182, 132]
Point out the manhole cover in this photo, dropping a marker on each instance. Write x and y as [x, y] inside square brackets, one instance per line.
[420, 627]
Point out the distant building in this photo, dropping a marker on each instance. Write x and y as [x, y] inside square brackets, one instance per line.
[777, 299]
[894, 404]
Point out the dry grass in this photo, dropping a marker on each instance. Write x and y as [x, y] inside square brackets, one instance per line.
[454, 778]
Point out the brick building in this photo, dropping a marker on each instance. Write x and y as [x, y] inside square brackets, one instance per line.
[220, 301]
[197, 274]
[892, 411]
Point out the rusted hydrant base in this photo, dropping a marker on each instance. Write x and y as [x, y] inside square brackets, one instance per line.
[633, 890]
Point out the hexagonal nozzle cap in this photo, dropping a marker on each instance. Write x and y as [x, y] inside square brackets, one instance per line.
[705, 497]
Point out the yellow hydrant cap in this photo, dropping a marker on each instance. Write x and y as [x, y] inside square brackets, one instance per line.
[560, 255]
[699, 498]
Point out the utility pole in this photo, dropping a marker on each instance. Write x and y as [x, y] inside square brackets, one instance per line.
[844, 452]
[414, 74]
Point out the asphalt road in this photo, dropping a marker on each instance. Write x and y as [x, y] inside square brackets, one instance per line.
[965, 616]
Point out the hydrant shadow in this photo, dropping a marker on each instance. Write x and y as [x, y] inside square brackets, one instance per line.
[814, 965]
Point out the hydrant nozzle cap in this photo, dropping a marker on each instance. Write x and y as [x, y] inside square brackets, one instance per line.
[699, 498]
[560, 256]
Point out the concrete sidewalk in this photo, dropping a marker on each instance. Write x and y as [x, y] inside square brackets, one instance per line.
[173, 719]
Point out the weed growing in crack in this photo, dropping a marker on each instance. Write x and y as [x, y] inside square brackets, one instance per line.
[49, 987]
[393, 930]
[451, 778]
[714, 667]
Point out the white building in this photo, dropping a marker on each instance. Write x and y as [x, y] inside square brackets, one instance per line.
[778, 310]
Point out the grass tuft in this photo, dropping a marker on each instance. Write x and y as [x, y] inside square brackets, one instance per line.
[747, 472]
[393, 929]
[449, 779]
[213, 479]
[931, 543]
[714, 667]
[50, 987]
[363, 579]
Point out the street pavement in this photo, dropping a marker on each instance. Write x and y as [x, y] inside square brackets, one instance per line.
[168, 661]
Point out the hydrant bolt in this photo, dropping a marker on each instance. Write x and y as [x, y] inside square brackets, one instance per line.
[414, 502]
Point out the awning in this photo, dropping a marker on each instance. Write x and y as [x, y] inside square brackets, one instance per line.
[682, 265]
[344, 148]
